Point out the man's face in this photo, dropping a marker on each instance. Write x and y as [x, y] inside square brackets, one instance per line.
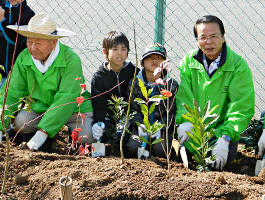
[211, 41]
[40, 49]
[15, 2]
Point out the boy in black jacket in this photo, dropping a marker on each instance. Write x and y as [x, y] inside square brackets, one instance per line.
[111, 73]
[9, 15]
[152, 58]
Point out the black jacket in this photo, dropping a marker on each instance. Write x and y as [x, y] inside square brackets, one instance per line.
[160, 113]
[8, 37]
[102, 81]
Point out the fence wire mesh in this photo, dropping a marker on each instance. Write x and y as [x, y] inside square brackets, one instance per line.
[91, 20]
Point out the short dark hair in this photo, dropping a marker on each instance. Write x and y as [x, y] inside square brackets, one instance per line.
[209, 19]
[113, 38]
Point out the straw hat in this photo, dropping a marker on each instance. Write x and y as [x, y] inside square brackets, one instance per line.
[41, 26]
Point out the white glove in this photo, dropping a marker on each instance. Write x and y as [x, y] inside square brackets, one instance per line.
[97, 130]
[141, 132]
[221, 152]
[261, 143]
[156, 135]
[182, 129]
[37, 140]
[120, 125]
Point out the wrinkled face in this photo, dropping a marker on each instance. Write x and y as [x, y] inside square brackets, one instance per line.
[15, 2]
[151, 62]
[117, 55]
[212, 40]
[40, 49]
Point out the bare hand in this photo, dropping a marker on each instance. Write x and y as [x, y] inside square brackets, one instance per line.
[2, 13]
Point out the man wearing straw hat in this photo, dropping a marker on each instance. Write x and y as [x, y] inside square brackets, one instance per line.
[51, 74]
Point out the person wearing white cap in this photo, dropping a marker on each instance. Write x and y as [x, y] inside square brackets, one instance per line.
[51, 73]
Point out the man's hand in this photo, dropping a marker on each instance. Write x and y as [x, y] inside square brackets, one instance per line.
[261, 143]
[182, 129]
[221, 152]
[37, 140]
[97, 130]
[2, 14]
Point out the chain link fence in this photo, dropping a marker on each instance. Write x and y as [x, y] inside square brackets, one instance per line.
[92, 19]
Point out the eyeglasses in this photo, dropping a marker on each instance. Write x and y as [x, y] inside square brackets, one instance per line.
[213, 38]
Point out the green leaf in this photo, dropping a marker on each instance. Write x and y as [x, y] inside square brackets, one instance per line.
[149, 92]
[147, 124]
[144, 109]
[189, 109]
[140, 101]
[157, 97]
[143, 88]
[157, 141]
[197, 107]
[211, 111]
[152, 108]
[206, 108]
[143, 139]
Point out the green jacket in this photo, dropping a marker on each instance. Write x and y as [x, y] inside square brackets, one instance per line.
[231, 87]
[56, 87]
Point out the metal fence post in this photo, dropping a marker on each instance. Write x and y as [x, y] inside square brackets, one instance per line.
[160, 21]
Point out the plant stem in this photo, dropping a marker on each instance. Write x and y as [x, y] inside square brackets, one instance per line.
[130, 98]
[3, 113]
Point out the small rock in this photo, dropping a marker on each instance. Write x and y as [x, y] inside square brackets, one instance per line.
[23, 146]
[21, 179]
[220, 179]
[122, 167]
[257, 180]
[99, 159]
[108, 169]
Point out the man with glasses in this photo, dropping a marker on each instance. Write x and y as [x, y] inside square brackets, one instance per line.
[214, 72]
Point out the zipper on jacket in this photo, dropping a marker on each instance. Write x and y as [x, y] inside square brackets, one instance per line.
[118, 81]
[9, 21]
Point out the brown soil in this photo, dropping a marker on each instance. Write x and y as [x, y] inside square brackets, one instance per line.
[36, 175]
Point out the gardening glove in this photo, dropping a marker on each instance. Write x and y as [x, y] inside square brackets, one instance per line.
[182, 129]
[261, 143]
[157, 134]
[221, 152]
[37, 140]
[141, 132]
[97, 130]
[120, 125]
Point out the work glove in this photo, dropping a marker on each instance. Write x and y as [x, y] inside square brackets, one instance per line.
[182, 129]
[97, 130]
[121, 123]
[221, 153]
[261, 143]
[141, 132]
[157, 134]
[37, 140]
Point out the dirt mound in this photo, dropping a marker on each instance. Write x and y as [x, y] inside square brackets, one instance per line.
[36, 175]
